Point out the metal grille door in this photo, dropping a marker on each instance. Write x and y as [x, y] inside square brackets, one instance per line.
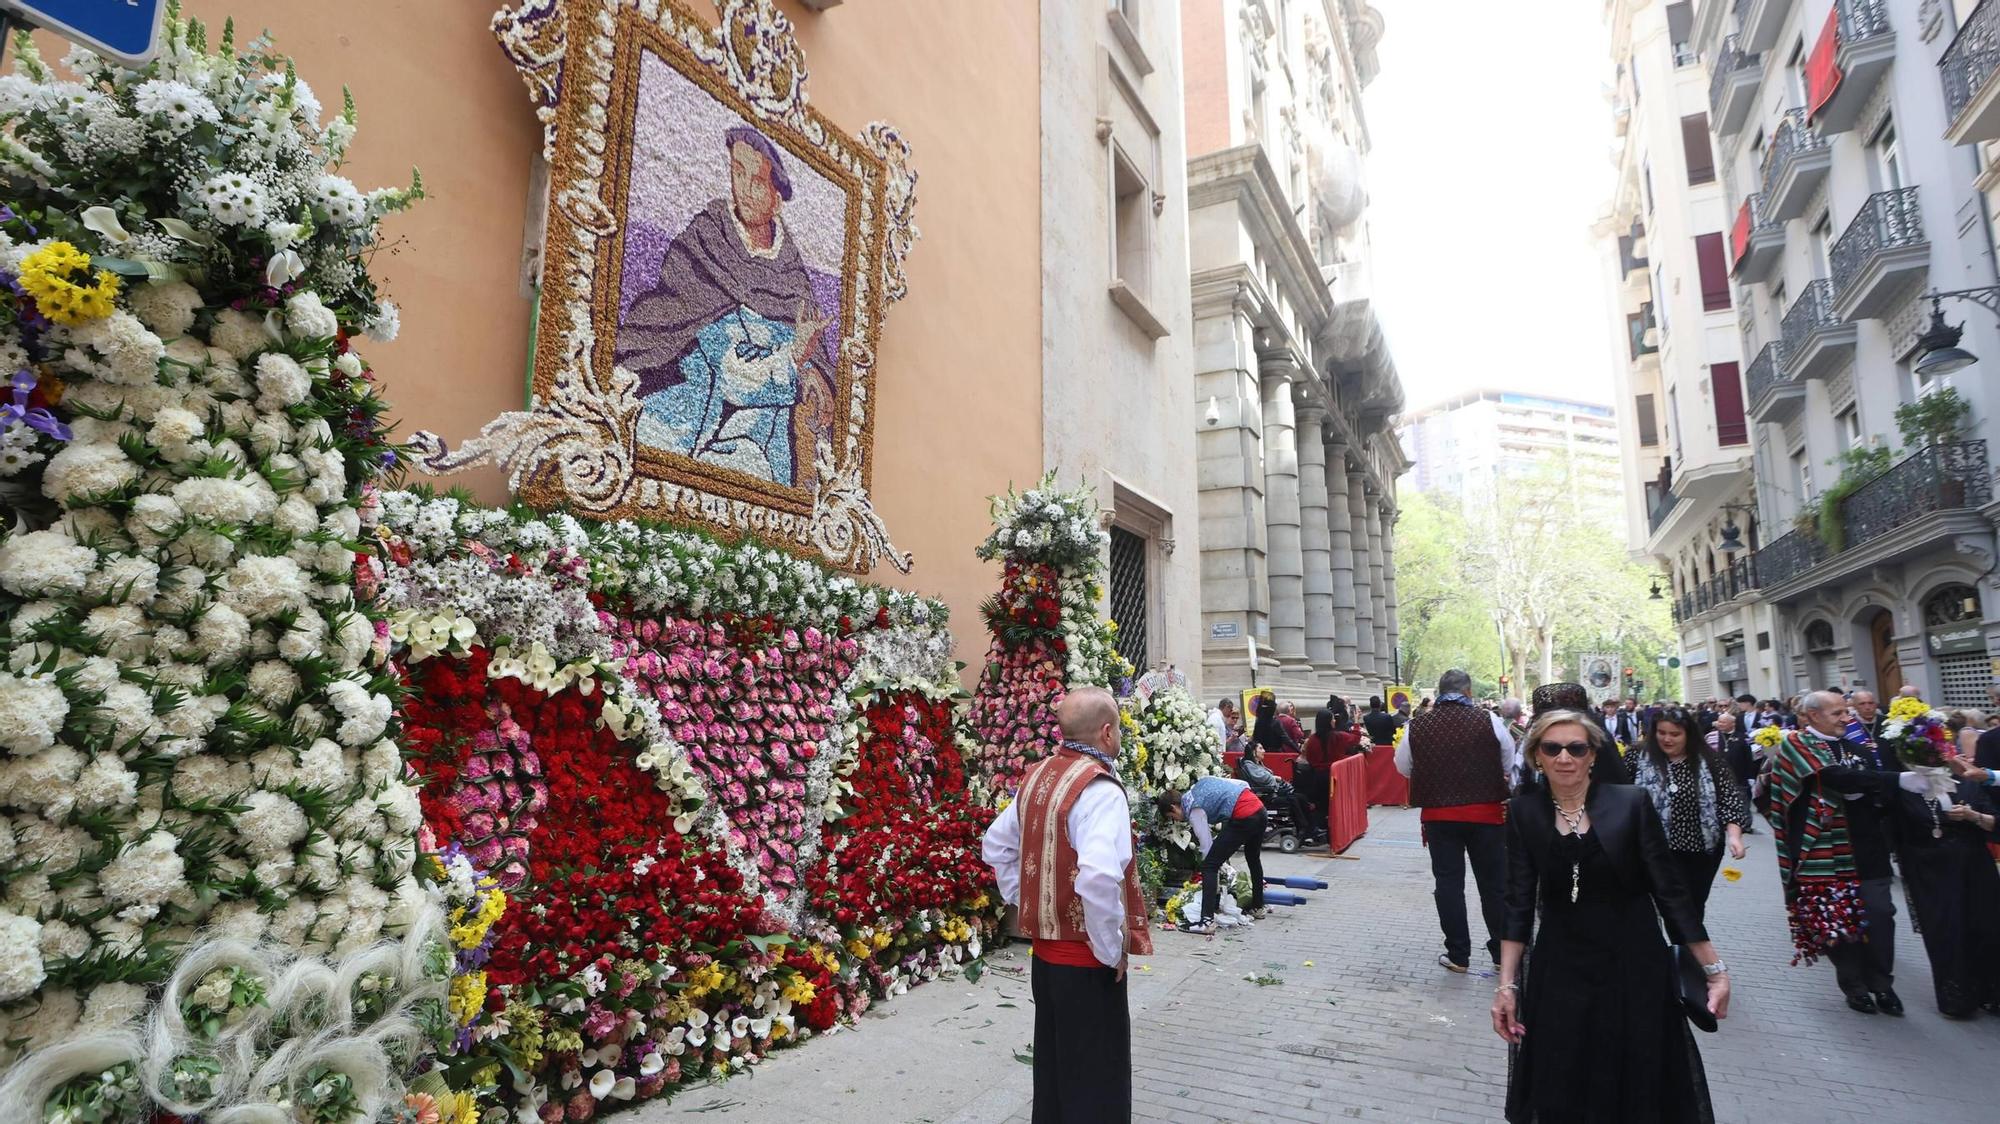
[1129, 602]
[1965, 678]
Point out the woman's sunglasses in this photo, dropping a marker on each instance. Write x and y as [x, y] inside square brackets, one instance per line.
[1578, 750]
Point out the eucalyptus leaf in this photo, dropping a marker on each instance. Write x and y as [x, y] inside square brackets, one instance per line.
[125, 267]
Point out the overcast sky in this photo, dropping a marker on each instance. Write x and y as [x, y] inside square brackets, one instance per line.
[1490, 137]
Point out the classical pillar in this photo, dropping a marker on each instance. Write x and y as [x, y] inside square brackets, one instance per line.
[1340, 549]
[1364, 586]
[1281, 514]
[1315, 545]
[1389, 580]
[1378, 588]
[1230, 472]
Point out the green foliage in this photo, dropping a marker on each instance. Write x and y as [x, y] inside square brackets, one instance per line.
[1857, 467]
[1934, 419]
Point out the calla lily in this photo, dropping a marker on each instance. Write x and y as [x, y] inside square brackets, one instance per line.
[104, 221]
[601, 1083]
[284, 268]
[624, 1088]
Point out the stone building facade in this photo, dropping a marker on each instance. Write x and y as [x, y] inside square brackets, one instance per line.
[1295, 384]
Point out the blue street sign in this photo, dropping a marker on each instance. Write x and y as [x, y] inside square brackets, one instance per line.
[125, 30]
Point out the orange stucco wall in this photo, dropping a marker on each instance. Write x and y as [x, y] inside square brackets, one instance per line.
[959, 399]
[1205, 75]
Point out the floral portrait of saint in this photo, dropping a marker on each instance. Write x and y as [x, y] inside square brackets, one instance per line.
[718, 261]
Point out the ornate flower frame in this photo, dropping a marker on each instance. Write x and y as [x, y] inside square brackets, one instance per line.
[578, 443]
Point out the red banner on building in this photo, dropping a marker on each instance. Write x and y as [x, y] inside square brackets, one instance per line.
[1823, 66]
[1739, 235]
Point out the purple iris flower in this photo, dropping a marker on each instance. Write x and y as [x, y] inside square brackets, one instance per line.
[36, 417]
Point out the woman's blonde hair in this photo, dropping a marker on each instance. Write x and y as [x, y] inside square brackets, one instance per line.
[1550, 719]
[1960, 719]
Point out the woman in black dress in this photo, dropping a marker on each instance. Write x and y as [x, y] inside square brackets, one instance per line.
[1596, 1028]
[1953, 888]
[1698, 798]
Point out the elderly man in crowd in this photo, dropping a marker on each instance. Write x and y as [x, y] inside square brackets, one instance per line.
[1062, 852]
[1834, 853]
[1461, 762]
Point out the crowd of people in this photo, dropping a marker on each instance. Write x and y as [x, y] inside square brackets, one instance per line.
[1593, 833]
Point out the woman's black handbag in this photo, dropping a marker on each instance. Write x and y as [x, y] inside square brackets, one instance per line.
[1692, 983]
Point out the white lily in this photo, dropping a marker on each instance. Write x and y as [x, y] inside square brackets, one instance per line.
[104, 221]
[284, 268]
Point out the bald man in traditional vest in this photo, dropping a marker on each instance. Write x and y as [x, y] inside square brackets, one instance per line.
[1063, 853]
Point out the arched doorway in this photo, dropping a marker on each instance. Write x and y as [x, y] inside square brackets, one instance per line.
[1821, 668]
[1888, 669]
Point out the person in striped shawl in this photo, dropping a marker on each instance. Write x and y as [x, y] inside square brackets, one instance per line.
[1815, 780]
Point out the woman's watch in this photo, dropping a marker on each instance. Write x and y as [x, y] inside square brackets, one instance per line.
[1716, 969]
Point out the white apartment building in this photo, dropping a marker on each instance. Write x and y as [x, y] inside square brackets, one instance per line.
[1466, 446]
[1678, 376]
[1846, 133]
[1118, 404]
[1294, 384]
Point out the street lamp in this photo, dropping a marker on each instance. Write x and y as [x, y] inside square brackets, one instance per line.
[1732, 535]
[1656, 595]
[1938, 350]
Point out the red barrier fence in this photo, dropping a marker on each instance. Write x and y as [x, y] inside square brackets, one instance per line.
[1347, 804]
[1385, 784]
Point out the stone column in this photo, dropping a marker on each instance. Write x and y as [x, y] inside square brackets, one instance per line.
[1389, 580]
[1378, 587]
[1230, 471]
[1315, 545]
[1364, 587]
[1281, 515]
[1340, 543]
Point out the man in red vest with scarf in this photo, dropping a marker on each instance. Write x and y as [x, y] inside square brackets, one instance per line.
[1063, 853]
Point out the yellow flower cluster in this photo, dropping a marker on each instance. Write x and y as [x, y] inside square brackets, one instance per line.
[954, 930]
[709, 977]
[799, 990]
[471, 920]
[524, 1031]
[467, 996]
[1906, 709]
[825, 959]
[458, 1108]
[1768, 736]
[50, 276]
[1133, 744]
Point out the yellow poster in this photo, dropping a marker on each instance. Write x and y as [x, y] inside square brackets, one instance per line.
[1250, 697]
[1401, 696]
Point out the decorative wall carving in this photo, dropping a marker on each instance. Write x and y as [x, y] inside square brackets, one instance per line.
[720, 258]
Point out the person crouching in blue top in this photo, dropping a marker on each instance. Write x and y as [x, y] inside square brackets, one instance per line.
[1235, 815]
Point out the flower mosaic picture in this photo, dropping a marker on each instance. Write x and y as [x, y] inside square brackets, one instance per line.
[719, 259]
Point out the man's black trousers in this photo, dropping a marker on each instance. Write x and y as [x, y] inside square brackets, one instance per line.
[1083, 1045]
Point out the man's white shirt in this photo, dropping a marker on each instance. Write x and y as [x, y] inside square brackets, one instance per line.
[1100, 830]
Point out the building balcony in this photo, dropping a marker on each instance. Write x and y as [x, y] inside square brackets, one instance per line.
[1662, 508]
[1732, 87]
[1967, 68]
[1925, 499]
[1773, 396]
[1816, 340]
[1880, 256]
[1795, 166]
[1759, 22]
[1632, 252]
[1864, 47]
[1757, 241]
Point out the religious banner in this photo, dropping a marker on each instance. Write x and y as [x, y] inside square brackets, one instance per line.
[719, 260]
[1599, 671]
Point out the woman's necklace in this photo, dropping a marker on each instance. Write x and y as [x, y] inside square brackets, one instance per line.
[1674, 776]
[1574, 821]
[1937, 825]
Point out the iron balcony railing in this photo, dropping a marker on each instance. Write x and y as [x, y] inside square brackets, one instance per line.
[1791, 138]
[1861, 19]
[1938, 478]
[1971, 59]
[1811, 312]
[1889, 220]
[1793, 554]
[1663, 508]
[1766, 371]
[1730, 59]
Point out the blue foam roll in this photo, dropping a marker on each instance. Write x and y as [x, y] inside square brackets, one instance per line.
[1280, 897]
[1294, 882]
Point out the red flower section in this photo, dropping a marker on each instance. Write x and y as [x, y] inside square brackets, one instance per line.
[906, 761]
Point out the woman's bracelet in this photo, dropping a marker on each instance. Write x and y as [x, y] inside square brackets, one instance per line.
[1514, 987]
[1716, 969]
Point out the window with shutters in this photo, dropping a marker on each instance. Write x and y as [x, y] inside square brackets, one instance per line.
[1700, 155]
[1680, 32]
[1635, 326]
[1714, 262]
[1129, 603]
[1725, 384]
[1649, 426]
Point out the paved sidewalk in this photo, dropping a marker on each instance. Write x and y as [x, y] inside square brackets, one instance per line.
[1373, 1029]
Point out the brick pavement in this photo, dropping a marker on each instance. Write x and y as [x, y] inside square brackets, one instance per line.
[1373, 1029]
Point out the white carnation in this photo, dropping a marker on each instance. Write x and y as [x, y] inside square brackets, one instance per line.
[130, 710]
[307, 318]
[385, 324]
[239, 333]
[323, 764]
[20, 956]
[32, 710]
[223, 501]
[128, 352]
[106, 783]
[44, 563]
[222, 634]
[83, 470]
[271, 826]
[120, 631]
[262, 587]
[167, 307]
[127, 578]
[143, 875]
[173, 428]
[113, 1005]
[364, 715]
[281, 382]
[273, 683]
